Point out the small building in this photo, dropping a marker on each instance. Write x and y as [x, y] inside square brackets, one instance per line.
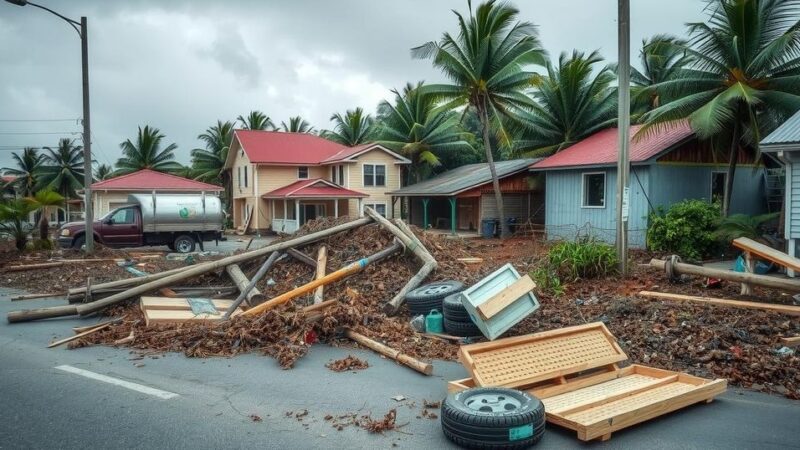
[667, 166]
[282, 180]
[459, 199]
[784, 145]
[113, 192]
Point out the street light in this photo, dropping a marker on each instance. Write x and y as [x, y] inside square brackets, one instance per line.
[82, 29]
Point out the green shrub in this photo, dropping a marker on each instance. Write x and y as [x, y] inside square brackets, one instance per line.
[742, 225]
[569, 261]
[41, 244]
[686, 229]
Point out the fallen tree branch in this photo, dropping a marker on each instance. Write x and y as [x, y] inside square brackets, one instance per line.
[772, 307]
[419, 366]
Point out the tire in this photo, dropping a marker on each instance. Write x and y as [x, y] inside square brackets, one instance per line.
[454, 310]
[77, 244]
[171, 246]
[184, 244]
[461, 329]
[429, 297]
[493, 418]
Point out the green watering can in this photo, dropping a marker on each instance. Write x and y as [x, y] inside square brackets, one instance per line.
[433, 322]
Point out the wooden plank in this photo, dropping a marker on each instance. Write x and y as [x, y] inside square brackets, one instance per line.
[302, 257]
[178, 304]
[161, 316]
[79, 335]
[768, 253]
[578, 382]
[791, 341]
[504, 298]
[749, 266]
[322, 261]
[609, 397]
[98, 324]
[771, 307]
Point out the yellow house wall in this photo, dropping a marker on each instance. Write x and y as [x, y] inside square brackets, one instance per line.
[376, 193]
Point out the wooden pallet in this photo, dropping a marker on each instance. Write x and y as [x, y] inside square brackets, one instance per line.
[574, 372]
[160, 310]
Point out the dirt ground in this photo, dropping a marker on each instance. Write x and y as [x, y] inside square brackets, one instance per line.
[738, 344]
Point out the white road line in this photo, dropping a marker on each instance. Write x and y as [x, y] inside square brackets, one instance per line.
[117, 382]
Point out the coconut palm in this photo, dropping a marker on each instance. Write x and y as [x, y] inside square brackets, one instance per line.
[574, 100]
[256, 120]
[352, 129]
[662, 59]
[25, 171]
[147, 153]
[43, 201]
[208, 162]
[297, 125]
[62, 169]
[413, 127]
[487, 64]
[13, 220]
[744, 77]
[103, 172]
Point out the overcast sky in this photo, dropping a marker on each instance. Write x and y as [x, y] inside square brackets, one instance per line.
[181, 65]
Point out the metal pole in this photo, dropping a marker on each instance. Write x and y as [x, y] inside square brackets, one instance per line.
[87, 141]
[624, 122]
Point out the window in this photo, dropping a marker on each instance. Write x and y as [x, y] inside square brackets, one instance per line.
[123, 216]
[245, 176]
[719, 181]
[333, 175]
[374, 175]
[380, 208]
[337, 175]
[594, 190]
[302, 173]
[341, 175]
[239, 176]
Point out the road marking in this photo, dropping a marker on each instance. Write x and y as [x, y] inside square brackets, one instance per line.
[117, 382]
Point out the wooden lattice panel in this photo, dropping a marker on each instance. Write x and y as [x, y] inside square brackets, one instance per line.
[566, 401]
[523, 360]
[629, 404]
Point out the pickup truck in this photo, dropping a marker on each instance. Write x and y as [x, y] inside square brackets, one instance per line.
[179, 221]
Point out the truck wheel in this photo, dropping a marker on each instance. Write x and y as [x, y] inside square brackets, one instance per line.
[171, 246]
[78, 242]
[184, 244]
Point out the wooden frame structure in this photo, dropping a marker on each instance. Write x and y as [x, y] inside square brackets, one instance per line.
[753, 249]
[158, 310]
[574, 372]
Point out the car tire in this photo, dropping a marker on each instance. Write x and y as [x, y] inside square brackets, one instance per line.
[453, 309]
[461, 329]
[184, 244]
[77, 244]
[493, 418]
[171, 246]
[429, 297]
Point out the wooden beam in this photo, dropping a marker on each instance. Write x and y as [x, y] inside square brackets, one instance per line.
[79, 335]
[253, 296]
[791, 341]
[252, 284]
[89, 327]
[741, 277]
[419, 366]
[768, 253]
[772, 307]
[322, 261]
[302, 257]
[177, 304]
[504, 298]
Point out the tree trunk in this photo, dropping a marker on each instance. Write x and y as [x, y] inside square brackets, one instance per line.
[732, 160]
[44, 225]
[487, 147]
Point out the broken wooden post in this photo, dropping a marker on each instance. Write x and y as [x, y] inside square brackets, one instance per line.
[419, 366]
[75, 295]
[772, 307]
[322, 261]
[749, 267]
[88, 295]
[302, 257]
[252, 284]
[253, 296]
[79, 335]
[186, 273]
[342, 273]
[679, 268]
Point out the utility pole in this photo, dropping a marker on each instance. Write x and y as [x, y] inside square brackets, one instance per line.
[82, 29]
[623, 125]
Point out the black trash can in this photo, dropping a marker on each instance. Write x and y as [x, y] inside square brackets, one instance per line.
[488, 227]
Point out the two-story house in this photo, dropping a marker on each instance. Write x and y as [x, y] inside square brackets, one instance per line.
[282, 180]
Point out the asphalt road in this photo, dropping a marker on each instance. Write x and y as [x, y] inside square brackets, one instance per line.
[207, 403]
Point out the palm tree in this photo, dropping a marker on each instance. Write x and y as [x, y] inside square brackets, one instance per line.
[103, 172]
[62, 169]
[26, 171]
[147, 153]
[256, 120]
[743, 78]
[208, 162]
[43, 200]
[352, 129]
[413, 127]
[297, 125]
[486, 63]
[662, 59]
[13, 216]
[571, 102]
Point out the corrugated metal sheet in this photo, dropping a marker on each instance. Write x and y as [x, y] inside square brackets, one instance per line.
[465, 177]
[794, 198]
[787, 133]
[514, 205]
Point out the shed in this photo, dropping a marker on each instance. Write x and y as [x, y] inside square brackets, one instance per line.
[784, 144]
[457, 200]
[667, 166]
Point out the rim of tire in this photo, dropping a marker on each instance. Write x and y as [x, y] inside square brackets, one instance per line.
[435, 289]
[492, 402]
[183, 245]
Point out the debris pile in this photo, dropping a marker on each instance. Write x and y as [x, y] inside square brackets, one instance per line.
[347, 364]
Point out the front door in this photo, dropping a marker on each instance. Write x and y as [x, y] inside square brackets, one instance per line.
[122, 227]
[311, 212]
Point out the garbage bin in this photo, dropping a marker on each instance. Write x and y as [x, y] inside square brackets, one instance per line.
[487, 227]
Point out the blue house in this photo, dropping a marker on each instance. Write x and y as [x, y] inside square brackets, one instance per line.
[666, 167]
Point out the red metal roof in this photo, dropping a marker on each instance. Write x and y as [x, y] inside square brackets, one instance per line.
[7, 178]
[313, 188]
[147, 179]
[276, 147]
[347, 152]
[600, 148]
